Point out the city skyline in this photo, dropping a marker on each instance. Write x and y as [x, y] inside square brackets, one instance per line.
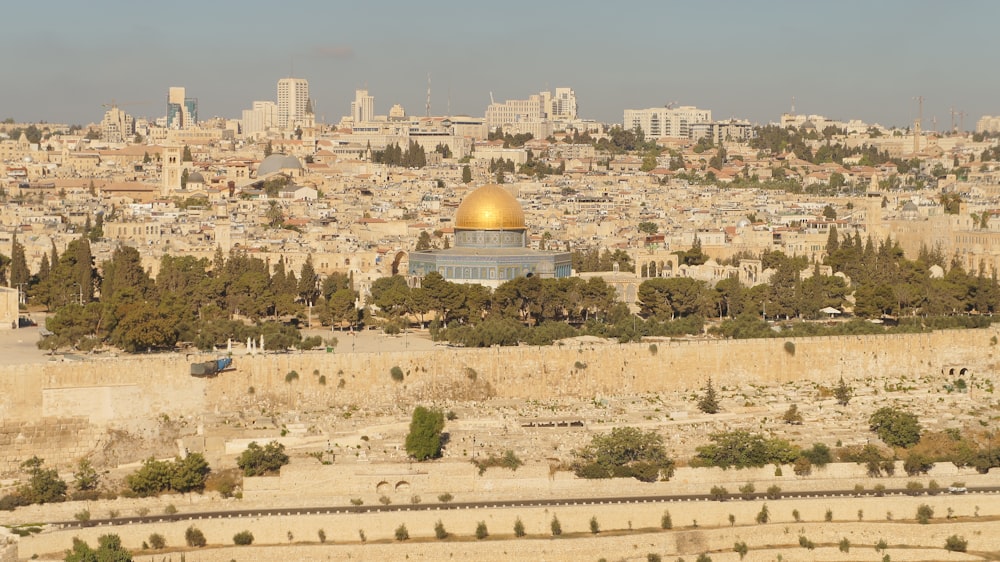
[845, 60]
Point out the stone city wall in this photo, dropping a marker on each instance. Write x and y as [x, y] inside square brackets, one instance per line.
[134, 394]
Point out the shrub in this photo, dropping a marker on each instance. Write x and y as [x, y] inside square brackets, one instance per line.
[763, 516]
[424, 439]
[625, 452]
[844, 545]
[956, 543]
[357, 501]
[665, 521]
[384, 500]
[451, 415]
[828, 516]
[414, 499]
[321, 534]
[595, 527]
[924, 514]
[555, 526]
[439, 531]
[747, 490]
[156, 541]
[481, 532]
[718, 493]
[881, 545]
[914, 488]
[741, 549]
[258, 461]
[897, 428]
[653, 349]
[802, 466]
[806, 543]
[790, 348]
[445, 497]
[773, 492]
[879, 490]
[518, 527]
[703, 557]
[243, 538]
[579, 365]
[401, 533]
[933, 488]
[291, 376]
[508, 460]
[171, 509]
[194, 537]
[792, 416]
[653, 557]
[396, 373]
[741, 449]
[322, 380]
[83, 515]
[796, 515]
[819, 455]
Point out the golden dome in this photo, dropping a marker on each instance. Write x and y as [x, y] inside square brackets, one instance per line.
[490, 207]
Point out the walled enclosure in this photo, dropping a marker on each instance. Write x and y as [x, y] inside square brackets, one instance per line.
[61, 410]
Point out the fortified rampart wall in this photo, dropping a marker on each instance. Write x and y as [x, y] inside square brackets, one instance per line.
[57, 409]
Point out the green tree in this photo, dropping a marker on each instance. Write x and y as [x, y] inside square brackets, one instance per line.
[151, 479]
[741, 449]
[842, 393]
[424, 439]
[648, 227]
[896, 427]
[194, 537]
[625, 452]
[85, 477]
[44, 484]
[257, 460]
[109, 549]
[423, 241]
[186, 156]
[709, 403]
[466, 174]
[189, 474]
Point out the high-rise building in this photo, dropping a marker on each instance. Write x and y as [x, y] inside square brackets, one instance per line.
[117, 126]
[262, 117]
[182, 111]
[363, 107]
[293, 101]
[672, 122]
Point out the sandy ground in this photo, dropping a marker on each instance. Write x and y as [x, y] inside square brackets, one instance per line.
[18, 347]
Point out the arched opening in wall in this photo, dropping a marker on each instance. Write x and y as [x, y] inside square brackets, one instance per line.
[399, 263]
[951, 372]
[402, 487]
[963, 370]
[383, 487]
[643, 272]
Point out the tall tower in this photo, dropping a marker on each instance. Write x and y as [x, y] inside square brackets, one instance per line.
[175, 107]
[293, 97]
[173, 168]
[363, 107]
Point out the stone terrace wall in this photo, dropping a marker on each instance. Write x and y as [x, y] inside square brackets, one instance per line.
[131, 393]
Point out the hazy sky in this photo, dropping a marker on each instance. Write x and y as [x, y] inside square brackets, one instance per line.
[864, 59]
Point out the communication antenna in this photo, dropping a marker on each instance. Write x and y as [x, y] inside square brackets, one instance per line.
[428, 95]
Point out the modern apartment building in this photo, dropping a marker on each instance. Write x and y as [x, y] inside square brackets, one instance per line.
[363, 107]
[260, 118]
[538, 108]
[293, 101]
[182, 111]
[117, 126]
[671, 122]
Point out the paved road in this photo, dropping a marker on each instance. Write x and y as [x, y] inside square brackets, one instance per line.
[324, 510]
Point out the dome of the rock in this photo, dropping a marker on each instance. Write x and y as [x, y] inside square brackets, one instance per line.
[490, 207]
